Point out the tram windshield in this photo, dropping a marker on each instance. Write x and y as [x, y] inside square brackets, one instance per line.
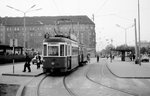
[52, 50]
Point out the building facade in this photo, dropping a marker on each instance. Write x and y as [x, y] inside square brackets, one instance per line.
[36, 27]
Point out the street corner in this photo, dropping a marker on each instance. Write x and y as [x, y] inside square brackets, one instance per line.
[33, 73]
[122, 69]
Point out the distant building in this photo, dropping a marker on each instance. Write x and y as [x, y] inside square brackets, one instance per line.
[144, 44]
[36, 27]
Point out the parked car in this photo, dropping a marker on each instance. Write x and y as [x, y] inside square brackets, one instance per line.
[144, 58]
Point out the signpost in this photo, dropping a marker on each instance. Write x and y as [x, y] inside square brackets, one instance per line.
[13, 43]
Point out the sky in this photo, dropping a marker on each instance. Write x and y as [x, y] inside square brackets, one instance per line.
[107, 14]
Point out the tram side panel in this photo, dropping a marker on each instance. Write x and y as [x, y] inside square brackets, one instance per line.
[82, 56]
[75, 57]
[74, 62]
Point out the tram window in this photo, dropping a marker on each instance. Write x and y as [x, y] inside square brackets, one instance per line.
[66, 50]
[53, 50]
[61, 50]
[45, 50]
[74, 50]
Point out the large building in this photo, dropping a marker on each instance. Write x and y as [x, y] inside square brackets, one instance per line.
[32, 30]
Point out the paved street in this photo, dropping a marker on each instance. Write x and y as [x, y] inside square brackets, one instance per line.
[129, 69]
[102, 78]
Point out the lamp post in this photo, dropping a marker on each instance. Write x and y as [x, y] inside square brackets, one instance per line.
[24, 20]
[139, 32]
[125, 29]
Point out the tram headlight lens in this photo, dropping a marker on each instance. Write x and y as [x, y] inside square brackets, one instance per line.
[52, 63]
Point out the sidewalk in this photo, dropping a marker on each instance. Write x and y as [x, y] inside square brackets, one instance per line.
[19, 68]
[128, 69]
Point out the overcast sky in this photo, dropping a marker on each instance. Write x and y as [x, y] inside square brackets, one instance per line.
[107, 14]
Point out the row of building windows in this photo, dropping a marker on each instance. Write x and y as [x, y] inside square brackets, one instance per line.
[22, 34]
[22, 28]
[45, 28]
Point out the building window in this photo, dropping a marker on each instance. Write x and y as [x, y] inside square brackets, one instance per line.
[7, 29]
[46, 28]
[92, 27]
[18, 29]
[10, 29]
[40, 34]
[33, 28]
[15, 29]
[9, 35]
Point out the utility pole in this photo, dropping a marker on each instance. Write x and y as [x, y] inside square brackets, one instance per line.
[136, 47]
[139, 32]
[125, 29]
[93, 17]
[24, 21]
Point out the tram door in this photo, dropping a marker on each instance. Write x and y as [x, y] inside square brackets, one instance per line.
[68, 49]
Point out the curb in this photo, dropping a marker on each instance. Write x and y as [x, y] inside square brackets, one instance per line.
[7, 74]
[20, 90]
[122, 76]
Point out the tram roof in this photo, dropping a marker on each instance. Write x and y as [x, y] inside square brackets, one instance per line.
[58, 39]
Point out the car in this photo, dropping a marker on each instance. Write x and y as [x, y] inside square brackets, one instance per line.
[144, 58]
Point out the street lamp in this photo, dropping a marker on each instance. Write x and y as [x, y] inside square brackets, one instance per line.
[139, 31]
[125, 31]
[24, 20]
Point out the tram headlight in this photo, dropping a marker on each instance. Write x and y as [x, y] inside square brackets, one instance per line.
[52, 63]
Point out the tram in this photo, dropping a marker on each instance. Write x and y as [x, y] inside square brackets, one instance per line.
[62, 54]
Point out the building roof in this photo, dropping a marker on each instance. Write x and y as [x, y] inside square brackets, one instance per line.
[45, 20]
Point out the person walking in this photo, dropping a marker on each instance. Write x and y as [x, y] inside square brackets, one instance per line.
[97, 58]
[88, 58]
[27, 63]
[39, 62]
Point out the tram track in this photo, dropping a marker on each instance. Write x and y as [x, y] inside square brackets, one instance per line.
[70, 91]
[67, 88]
[22, 88]
[64, 83]
[104, 76]
[38, 86]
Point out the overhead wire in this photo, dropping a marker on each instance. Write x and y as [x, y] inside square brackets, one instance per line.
[56, 7]
[102, 6]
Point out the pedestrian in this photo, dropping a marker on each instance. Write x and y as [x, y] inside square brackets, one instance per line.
[39, 62]
[27, 63]
[133, 57]
[97, 58]
[88, 58]
[107, 56]
[111, 57]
